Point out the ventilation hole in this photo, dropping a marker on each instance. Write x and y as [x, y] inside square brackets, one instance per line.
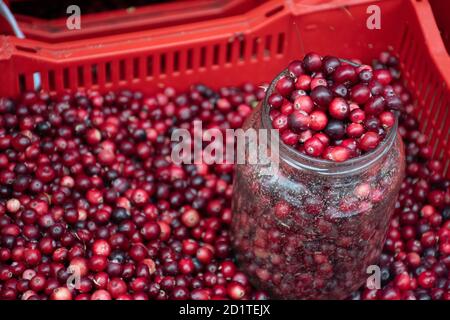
[415, 65]
[122, 70]
[407, 52]
[437, 109]
[268, 45]
[22, 83]
[176, 61]
[444, 117]
[66, 81]
[280, 44]
[108, 76]
[403, 39]
[26, 49]
[203, 57]
[229, 52]
[274, 11]
[162, 64]
[425, 106]
[37, 80]
[255, 48]
[216, 52]
[447, 166]
[80, 71]
[94, 73]
[51, 80]
[150, 66]
[190, 54]
[432, 106]
[136, 68]
[242, 49]
[421, 73]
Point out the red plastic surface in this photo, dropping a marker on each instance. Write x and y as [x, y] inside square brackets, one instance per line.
[250, 47]
[441, 11]
[130, 19]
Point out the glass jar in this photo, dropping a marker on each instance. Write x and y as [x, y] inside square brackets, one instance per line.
[310, 228]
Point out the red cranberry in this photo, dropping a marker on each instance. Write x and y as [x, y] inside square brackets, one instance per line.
[322, 96]
[314, 147]
[337, 154]
[335, 129]
[312, 62]
[318, 120]
[235, 291]
[360, 93]
[369, 141]
[339, 109]
[298, 121]
[304, 103]
[296, 68]
[285, 86]
[345, 74]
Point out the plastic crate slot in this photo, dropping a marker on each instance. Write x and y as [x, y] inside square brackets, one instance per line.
[280, 44]
[424, 93]
[445, 128]
[404, 56]
[439, 119]
[445, 143]
[108, 78]
[122, 74]
[202, 57]
[176, 61]
[162, 64]
[22, 83]
[242, 43]
[429, 99]
[216, 55]
[403, 39]
[229, 52]
[52, 79]
[407, 57]
[421, 71]
[94, 74]
[37, 81]
[436, 110]
[189, 59]
[65, 78]
[80, 73]
[136, 69]
[274, 11]
[431, 107]
[416, 58]
[447, 164]
[149, 66]
[255, 48]
[268, 46]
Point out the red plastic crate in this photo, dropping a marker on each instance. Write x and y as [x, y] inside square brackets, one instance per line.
[128, 19]
[252, 47]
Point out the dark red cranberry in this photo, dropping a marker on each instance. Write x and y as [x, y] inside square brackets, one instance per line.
[312, 62]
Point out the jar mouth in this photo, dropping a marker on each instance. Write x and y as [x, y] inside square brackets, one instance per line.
[324, 166]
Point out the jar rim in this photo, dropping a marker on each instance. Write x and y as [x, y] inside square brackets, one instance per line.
[324, 166]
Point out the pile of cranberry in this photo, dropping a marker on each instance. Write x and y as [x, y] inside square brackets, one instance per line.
[333, 109]
[92, 207]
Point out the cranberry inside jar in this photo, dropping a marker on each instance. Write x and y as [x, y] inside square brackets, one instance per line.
[309, 224]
